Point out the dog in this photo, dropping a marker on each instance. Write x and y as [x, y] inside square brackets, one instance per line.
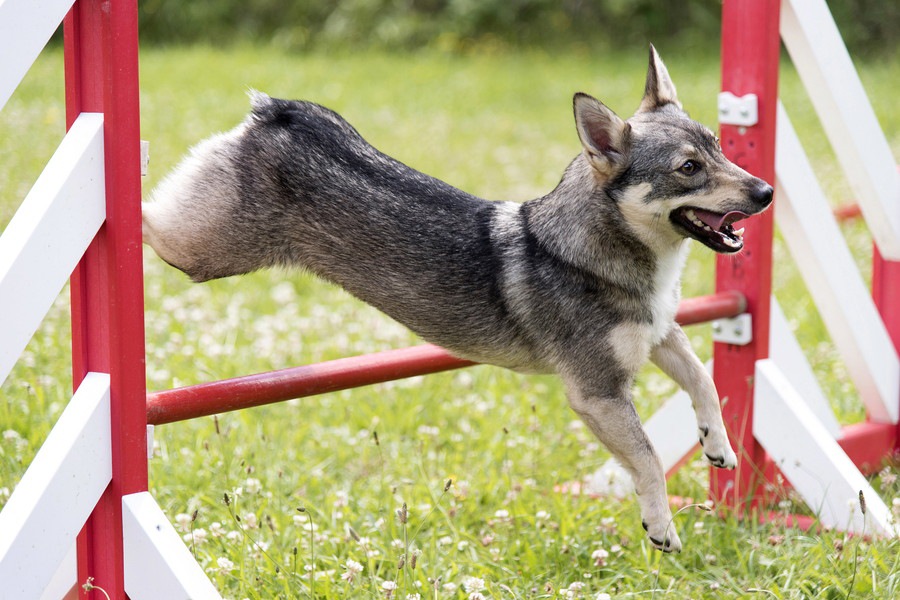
[583, 282]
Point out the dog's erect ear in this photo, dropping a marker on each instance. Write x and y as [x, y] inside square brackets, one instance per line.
[659, 89]
[606, 138]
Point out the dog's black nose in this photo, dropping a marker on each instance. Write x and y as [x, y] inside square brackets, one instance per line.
[762, 194]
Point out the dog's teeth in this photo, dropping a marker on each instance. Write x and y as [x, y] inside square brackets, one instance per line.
[691, 216]
[739, 232]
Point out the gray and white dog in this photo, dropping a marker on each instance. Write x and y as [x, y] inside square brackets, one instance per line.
[583, 282]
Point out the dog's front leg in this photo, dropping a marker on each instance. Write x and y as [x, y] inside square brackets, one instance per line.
[677, 360]
[614, 420]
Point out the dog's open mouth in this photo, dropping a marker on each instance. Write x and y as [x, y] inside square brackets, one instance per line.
[713, 229]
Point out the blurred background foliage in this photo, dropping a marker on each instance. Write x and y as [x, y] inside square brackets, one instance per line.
[868, 26]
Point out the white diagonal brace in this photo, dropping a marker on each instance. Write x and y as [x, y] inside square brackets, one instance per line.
[56, 495]
[823, 63]
[157, 563]
[25, 28]
[811, 459]
[47, 236]
[832, 278]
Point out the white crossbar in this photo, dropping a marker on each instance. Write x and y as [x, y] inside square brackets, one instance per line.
[824, 66]
[811, 459]
[157, 563]
[56, 495]
[832, 278]
[49, 233]
[25, 28]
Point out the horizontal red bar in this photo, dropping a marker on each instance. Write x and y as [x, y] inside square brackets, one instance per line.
[867, 444]
[297, 382]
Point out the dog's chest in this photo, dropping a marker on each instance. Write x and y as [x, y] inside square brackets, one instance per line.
[666, 293]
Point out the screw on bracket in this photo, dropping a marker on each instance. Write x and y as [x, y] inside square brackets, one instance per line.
[734, 110]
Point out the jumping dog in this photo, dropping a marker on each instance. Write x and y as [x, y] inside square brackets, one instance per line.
[583, 282]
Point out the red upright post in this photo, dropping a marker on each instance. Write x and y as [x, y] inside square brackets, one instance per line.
[101, 46]
[886, 292]
[750, 49]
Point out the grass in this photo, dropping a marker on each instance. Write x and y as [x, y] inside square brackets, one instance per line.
[300, 499]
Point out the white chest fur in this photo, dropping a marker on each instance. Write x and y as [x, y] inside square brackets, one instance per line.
[667, 291]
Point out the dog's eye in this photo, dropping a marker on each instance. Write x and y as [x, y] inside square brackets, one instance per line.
[689, 168]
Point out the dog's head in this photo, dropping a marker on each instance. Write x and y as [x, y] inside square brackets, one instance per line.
[666, 172]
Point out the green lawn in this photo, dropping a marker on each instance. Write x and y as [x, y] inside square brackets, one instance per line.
[313, 486]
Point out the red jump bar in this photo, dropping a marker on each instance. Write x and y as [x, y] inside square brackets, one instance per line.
[226, 395]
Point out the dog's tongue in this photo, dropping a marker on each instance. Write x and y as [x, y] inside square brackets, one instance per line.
[716, 220]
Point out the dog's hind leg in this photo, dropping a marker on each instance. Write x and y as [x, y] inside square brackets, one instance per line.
[614, 420]
[677, 360]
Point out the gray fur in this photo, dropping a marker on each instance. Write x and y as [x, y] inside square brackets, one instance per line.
[583, 282]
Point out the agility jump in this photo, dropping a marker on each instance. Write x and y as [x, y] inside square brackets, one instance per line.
[97, 454]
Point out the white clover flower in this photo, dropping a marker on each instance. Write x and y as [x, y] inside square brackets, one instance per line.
[198, 536]
[252, 485]
[216, 529]
[602, 596]
[250, 521]
[472, 584]
[224, 565]
[415, 596]
[461, 546]
[449, 587]
[183, 521]
[353, 569]
[542, 515]
[502, 514]
[599, 557]
[476, 596]
[11, 434]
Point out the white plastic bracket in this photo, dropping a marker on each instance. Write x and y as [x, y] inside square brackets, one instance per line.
[145, 157]
[737, 330]
[149, 442]
[738, 110]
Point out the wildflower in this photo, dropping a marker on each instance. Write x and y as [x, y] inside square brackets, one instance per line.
[250, 521]
[476, 596]
[183, 521]
[603, 596]
[252, 486]
[599, 557]
[415, 596]
[449, 587]
[472, 584]
[216, 529]
[574, 590]
[461, 546]
[224, 565]
[502, 514]
[895, 507]
[888, 478]
[353, 569]
[198, 536]
[542, 515]
[389, 587]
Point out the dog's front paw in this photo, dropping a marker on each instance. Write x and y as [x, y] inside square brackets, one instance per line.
[717, 449]
[663, 536]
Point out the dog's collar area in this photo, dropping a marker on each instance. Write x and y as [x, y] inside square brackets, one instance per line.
[715, 230]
